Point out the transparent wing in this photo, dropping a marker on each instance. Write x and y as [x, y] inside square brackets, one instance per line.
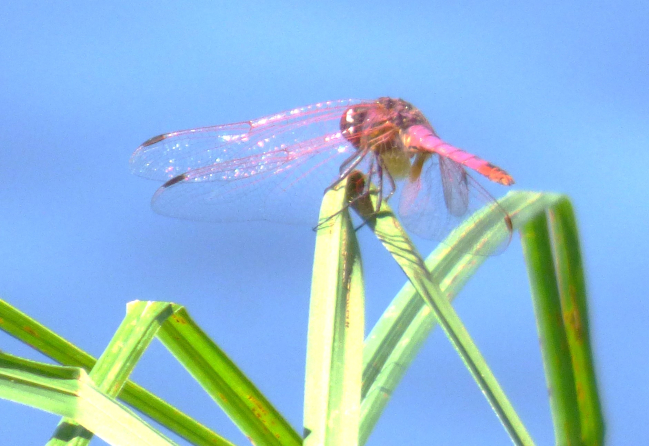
[286, 185]
[171, 154]
[166, 156]
[273, 168]
[455, 187]
[443, 197]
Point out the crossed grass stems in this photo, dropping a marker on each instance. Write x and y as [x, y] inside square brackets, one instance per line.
[348, 382]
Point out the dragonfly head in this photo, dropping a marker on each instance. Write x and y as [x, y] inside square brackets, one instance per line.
[352, 124]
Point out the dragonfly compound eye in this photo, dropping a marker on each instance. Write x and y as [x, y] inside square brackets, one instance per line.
[352, 124]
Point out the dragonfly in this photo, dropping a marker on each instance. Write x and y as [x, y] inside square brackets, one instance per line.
[275, 167]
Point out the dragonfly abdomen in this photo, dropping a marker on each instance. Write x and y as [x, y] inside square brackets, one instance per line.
[422, 138]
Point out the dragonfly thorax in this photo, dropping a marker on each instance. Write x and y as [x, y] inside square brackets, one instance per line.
[376, 127]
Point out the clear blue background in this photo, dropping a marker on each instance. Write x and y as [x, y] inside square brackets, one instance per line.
[554, 92]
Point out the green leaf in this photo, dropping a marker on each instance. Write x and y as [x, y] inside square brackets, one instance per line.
[388, 230]
[69, 392]
[574, 305]
[574, 309]
[336, 328]
[227, 385]
[44, 340]
[401, 331]
[224, 382]
[113, 368]
[545, 295]
[333, 381]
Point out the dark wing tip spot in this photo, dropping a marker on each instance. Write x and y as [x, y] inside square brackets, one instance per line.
[151, 141]
[174, 180]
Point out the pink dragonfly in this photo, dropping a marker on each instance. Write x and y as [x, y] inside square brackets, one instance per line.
[274, 168]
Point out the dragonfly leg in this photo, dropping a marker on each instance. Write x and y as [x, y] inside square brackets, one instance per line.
[376, 172]
[344, 165]
[393, 185]
[349, 165]
[358, 192]
[379, 171]
[382, 171]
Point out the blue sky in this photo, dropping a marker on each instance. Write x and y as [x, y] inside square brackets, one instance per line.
[555, 92]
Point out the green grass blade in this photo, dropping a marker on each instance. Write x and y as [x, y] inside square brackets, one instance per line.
[41, 338]
[389, 231]
[407, 322]
[170, 417]
[69, 392]
[336, 330]
[572, 292]
[333, 371]
[187, 342]
[56, 347]
[537, 248]
[113, 368]
[224, 382]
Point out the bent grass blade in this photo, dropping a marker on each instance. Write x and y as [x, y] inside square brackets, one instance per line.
[537, 249]
[71, 393]
[388, 230]
[246, 406]
[120, 357]
[405, 325]
[45, 341]
[401, 331]
[407, 318]
[574, 305]
[555, 268]
[203, 359]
